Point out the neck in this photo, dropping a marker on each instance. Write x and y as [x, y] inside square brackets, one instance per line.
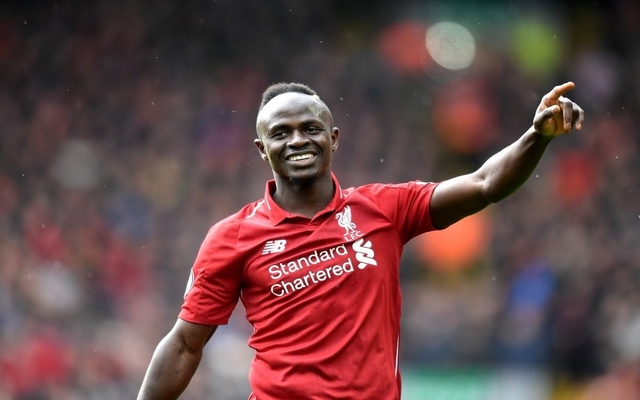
[303, 199]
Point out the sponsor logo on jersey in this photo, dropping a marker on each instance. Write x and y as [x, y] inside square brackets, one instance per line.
[274, 246]
[345, 220]
[321, 266]
[364, 254]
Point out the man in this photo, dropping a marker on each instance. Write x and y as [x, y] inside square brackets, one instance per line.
[316, 266]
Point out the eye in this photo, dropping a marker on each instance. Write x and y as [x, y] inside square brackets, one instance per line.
[277, 134]
[314, 129]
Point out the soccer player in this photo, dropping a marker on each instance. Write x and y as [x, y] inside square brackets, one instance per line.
[316, 265]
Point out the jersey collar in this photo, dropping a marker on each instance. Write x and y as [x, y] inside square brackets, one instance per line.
[277, 214]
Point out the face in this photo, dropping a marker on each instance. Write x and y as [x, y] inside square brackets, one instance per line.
[297, 138]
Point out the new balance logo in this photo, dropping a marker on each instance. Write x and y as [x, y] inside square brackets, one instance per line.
[274, 246]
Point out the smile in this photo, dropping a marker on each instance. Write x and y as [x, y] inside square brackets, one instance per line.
[300, 157]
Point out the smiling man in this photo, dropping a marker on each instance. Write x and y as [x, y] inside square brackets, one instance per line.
[297, 137]
[316, 266]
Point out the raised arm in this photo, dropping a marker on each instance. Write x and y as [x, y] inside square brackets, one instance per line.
[175, 360]
[506, 171]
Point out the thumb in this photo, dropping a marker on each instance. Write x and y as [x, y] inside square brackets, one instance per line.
[541, 118]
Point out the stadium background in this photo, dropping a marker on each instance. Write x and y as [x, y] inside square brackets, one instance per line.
[126, 129]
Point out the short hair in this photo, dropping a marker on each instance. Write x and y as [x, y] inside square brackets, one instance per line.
[277, 89]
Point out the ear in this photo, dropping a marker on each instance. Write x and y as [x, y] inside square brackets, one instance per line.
[335, 132]
[260, 147]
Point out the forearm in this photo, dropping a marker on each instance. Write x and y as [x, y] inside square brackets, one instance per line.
[502, 174]
[510, 168]
[170, 370]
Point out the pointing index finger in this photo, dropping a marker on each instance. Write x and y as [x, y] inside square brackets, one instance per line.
[555, 94]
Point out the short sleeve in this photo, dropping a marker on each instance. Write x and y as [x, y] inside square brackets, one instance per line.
[215, 279]
[407, 205]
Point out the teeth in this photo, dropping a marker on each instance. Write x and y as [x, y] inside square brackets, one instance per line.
[301, 157]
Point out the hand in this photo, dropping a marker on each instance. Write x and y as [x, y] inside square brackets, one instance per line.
[557, 115]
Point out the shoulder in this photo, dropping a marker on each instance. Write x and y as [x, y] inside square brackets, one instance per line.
[390, 188]
[394, 199]
[229, 228]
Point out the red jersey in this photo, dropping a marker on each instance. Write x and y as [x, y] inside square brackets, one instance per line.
[322, 294]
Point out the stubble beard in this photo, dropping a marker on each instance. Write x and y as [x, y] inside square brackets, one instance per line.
[304, 181]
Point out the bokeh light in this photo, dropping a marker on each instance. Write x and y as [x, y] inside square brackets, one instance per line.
[451, 45]
[401, 46]
[457, 247]
[537, 48]
[464, 116]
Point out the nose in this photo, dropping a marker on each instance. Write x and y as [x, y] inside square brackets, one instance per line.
[297, 138]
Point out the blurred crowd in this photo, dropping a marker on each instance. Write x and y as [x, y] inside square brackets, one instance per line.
[126, 131]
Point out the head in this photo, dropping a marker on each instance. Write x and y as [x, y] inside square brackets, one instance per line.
[296, 133]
